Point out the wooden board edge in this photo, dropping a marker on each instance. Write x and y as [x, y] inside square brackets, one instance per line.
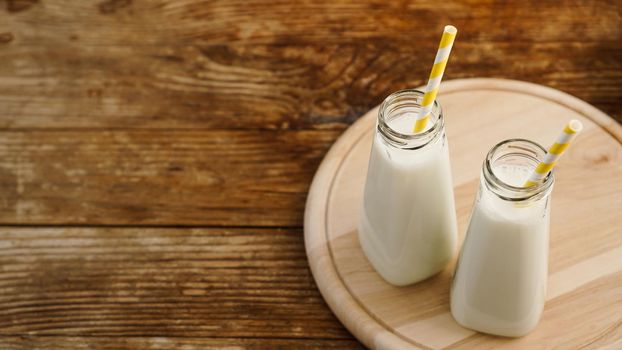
[599, 117]
[342, 303]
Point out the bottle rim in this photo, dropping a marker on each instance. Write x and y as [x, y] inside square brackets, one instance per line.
[408, 98]
[524, 148]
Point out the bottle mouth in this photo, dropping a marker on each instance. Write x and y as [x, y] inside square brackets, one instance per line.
[518, 154]
[397, 116]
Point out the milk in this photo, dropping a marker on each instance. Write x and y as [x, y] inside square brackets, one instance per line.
[499, 285]
[408, 223]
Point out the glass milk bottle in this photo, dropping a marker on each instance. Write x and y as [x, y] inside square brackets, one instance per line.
[499, 285]
[408, 222]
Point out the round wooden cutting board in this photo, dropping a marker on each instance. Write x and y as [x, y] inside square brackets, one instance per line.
[584, 299]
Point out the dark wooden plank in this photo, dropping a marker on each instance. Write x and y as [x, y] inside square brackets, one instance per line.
[161, 343]
[153, 64]
[162, 22]
[268, 87]
[160, 282]
[242, 178]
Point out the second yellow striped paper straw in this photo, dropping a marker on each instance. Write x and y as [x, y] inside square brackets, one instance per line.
[554, 152]
[442, 56]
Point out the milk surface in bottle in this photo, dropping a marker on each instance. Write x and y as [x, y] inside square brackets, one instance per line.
[499, 285]
[408, 223]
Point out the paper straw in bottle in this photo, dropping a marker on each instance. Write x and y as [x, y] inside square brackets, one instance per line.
[442, 55]
[554, 152]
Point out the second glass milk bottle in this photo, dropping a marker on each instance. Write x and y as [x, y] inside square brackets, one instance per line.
[499, 286]
[407, 227]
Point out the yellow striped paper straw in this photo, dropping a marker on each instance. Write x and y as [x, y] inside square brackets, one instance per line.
[552, 155]
[442, 55]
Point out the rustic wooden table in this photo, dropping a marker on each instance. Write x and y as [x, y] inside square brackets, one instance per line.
[155, 155]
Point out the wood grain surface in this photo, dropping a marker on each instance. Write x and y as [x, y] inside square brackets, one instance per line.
[199, 124]
[158, 177]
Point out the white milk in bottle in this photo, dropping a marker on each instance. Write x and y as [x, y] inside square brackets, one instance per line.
[499, 285]
[408, 222]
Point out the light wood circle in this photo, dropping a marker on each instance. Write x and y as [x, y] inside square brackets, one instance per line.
[584, 301]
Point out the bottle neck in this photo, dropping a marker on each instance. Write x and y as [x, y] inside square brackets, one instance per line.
[397, 116]
[509, 164]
